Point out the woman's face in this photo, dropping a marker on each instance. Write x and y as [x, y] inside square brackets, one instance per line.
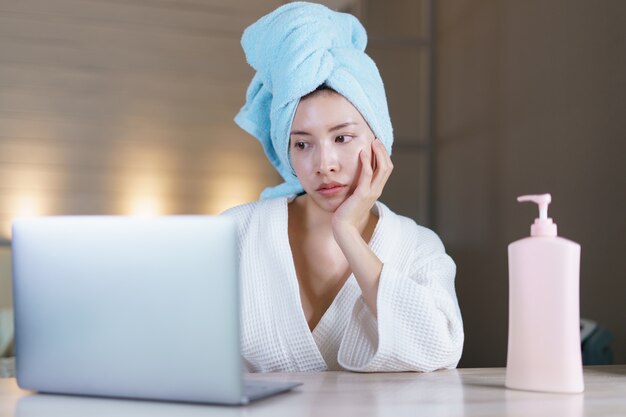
[327, 134]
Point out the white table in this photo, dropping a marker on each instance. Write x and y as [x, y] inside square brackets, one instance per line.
[461, 392]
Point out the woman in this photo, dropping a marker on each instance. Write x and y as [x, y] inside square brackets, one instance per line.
[331, 278]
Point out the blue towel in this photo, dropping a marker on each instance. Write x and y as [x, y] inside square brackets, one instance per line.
[295, 49]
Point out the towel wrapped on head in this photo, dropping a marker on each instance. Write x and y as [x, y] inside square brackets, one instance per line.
[295, 49]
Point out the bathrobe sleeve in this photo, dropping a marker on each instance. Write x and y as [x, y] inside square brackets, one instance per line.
[419, 325]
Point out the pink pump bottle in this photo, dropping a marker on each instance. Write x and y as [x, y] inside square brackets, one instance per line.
[544, 319]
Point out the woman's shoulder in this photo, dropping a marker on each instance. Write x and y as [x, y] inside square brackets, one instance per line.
[241, 211]
[407, 231]
[244, 212]
[252, 218]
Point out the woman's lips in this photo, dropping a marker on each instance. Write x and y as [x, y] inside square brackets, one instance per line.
[330, 189]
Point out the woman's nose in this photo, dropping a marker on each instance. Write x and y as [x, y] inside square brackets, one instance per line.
[327, 160]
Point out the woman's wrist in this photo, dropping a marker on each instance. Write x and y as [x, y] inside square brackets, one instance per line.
[364, 263]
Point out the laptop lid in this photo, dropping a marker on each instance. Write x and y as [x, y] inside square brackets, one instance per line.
[128, 307]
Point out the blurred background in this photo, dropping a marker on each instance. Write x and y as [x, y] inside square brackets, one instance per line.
[126, 107]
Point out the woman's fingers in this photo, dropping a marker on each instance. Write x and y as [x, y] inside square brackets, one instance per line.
[384, 166]
[376, 168]
[366, 166]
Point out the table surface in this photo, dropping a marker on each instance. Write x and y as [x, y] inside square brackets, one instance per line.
[458, 392]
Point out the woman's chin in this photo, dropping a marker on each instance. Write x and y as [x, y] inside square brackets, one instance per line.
[329, 205]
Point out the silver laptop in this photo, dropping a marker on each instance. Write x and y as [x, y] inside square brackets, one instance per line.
[130, 307]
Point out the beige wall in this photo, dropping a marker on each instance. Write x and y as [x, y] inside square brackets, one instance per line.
[124, 107]
[531, 97]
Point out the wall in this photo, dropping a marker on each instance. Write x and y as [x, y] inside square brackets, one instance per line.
[399, 44]
[531, 98]
[124, 107]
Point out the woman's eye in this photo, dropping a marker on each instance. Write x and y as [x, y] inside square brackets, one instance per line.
[342, 139]
[299, 145]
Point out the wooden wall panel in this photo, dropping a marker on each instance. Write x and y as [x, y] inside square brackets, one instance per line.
[107, 103]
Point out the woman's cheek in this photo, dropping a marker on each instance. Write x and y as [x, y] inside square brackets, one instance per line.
[352, 156]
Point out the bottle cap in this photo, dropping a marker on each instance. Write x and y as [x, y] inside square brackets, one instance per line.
[543, 225]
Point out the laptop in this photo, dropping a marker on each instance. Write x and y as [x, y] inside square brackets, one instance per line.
[144, 308]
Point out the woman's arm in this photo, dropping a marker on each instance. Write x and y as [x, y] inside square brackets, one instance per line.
[419, 325]
[351, 218]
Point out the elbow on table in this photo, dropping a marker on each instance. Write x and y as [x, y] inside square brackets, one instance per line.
[443, 352]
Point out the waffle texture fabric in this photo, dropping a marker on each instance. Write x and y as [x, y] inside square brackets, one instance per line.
[419, 325]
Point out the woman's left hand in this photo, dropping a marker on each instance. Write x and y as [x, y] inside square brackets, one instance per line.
[351, 217]
[376, 167]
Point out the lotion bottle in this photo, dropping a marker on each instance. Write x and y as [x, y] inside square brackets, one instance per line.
[544, 351]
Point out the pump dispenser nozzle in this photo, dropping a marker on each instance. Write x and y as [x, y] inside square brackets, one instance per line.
[543, 225]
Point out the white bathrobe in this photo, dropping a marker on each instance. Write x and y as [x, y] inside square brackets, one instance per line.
[419, 325]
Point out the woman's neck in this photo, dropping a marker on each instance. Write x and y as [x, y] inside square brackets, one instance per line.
[313, 217]
[310, 216]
